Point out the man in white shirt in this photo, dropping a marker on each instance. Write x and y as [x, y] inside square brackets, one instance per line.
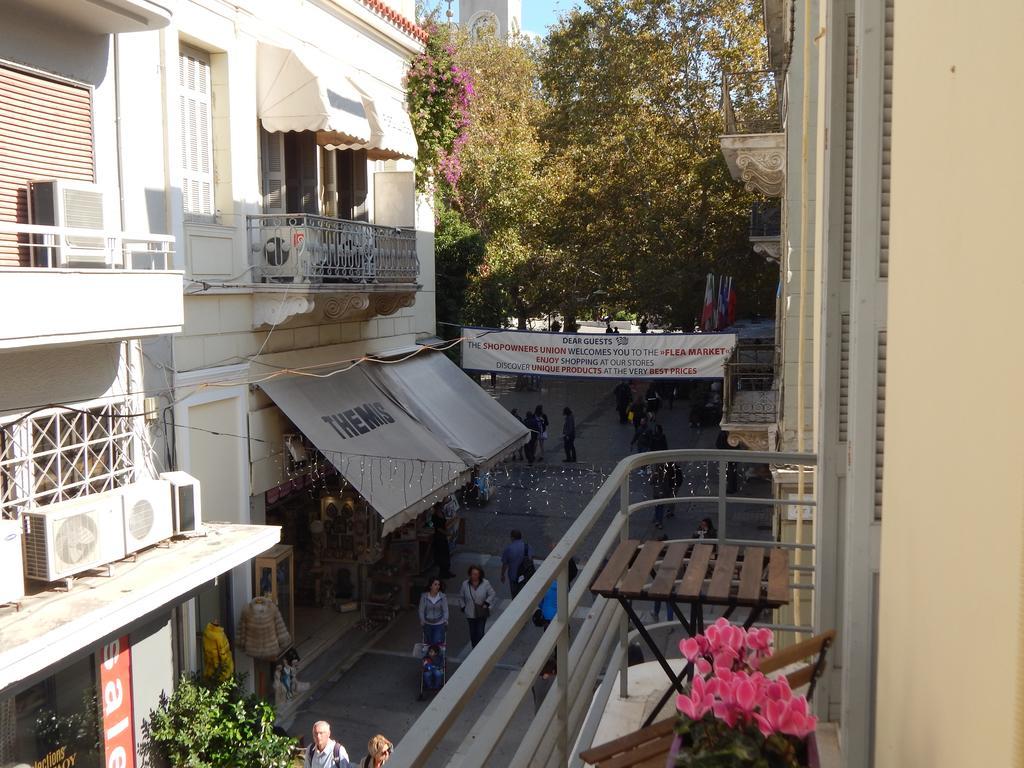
[324, 752]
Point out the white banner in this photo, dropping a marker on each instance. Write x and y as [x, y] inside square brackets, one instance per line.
[598, 355]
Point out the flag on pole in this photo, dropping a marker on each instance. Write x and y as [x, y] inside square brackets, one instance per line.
[707, 313]
[723, 297]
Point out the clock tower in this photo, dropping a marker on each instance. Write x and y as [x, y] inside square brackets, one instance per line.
[502, 18]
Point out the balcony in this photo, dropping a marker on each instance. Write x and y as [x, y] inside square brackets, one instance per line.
[750, 407]
[754, 144]
[766, 229]
[594, 687]
[346, 270]
[85, 285]
[106, 16]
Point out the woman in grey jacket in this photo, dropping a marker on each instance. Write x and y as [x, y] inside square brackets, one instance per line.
[476, 596]
[433, 612]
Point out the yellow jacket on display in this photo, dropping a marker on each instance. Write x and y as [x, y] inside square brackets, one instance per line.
[217, 660]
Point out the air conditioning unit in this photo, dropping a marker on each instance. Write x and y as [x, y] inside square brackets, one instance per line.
[148, 516]
[71, 205]
[73, 536]
[12, 575]
[186, 502]
[279, 252]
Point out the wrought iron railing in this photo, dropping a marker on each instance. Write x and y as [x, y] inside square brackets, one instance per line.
[36, 245]
[751, 390]
[765, 221]
[303, 248]
[568, 716]
[750, 102]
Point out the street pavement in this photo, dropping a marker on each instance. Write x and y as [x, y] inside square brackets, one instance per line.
[369, 683]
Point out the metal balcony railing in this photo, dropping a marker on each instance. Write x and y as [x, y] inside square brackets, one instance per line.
[303, 248]
[595, 655]
[750, 102]
[35, 245]
[765, 221]
[751, 392]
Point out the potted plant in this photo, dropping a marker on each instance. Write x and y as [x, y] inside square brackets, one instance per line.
[732, 714]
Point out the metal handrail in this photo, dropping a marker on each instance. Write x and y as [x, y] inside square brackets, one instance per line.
[310, 248]
[751, 103]
[566, 713]
[53, 247]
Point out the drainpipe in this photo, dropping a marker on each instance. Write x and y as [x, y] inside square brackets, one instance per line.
[119, 136]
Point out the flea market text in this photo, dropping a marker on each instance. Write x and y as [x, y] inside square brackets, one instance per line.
[675, 355]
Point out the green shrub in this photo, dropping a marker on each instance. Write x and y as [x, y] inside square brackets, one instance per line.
[213, 725]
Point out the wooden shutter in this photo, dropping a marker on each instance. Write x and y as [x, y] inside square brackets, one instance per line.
[301, 172]
[360, 187]
[883, 253]
[882, 355]
[196, 106]
[844, 376]
[45, 133]
[329, 182]
[272, 169]
[851, 64]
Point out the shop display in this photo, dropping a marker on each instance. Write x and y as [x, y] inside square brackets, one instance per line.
[218, 664]
[274, 577]
[261, 630]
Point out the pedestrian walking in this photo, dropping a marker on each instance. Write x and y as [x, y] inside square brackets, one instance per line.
[543, 683]
[705, 530]
[642, 436]
[623, 394]
[433, 612]
[652, 398]
[534, 425]
[324, 752]
[477, 597]
[662, 487]
[512, 558]
[657, 603]
[439, 543]
[542, 426]
[569, 434]
[637, 412]
[548, 607]
[378, 752]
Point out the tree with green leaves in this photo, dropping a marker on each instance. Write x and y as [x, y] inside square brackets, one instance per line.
[633, 119]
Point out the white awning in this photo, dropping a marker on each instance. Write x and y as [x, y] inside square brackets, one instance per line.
[454, 407]
[395, 463]
[294, 96]
[392, 136]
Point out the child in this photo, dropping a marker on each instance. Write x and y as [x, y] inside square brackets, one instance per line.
[433, 673]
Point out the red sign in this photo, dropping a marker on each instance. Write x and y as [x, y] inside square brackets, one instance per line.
[298, 238]
[116, 699]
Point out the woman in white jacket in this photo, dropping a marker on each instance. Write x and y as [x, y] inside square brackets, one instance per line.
[476, 597]
[433, 610]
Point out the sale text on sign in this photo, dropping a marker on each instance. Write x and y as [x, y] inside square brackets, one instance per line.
[598, 355]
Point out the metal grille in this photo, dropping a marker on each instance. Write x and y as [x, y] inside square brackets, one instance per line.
[65, 455]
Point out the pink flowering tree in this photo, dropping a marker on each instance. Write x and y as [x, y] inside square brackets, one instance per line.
[439, 93]
[733, 715]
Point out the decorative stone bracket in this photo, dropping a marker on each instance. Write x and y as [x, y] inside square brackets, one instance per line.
[757, 160]
[277, 308]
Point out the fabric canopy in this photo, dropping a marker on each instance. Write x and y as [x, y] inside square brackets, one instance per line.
[394, 462]
[437, 392]
[292, 96]
[391, 131]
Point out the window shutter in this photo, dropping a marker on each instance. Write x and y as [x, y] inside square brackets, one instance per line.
[196, 107]
[851, 56]
[883, 253]
[844, 376]
[329, 186]
[882, 353]
[35, 110]
[360, 187]
[272, 167]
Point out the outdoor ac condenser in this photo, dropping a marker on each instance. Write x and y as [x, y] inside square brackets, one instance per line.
[12, 575]
[71, 205]
[186, 502]
[148, 514]
[73, 536]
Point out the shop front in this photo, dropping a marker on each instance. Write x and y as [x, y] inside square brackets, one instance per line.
[374, 457]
